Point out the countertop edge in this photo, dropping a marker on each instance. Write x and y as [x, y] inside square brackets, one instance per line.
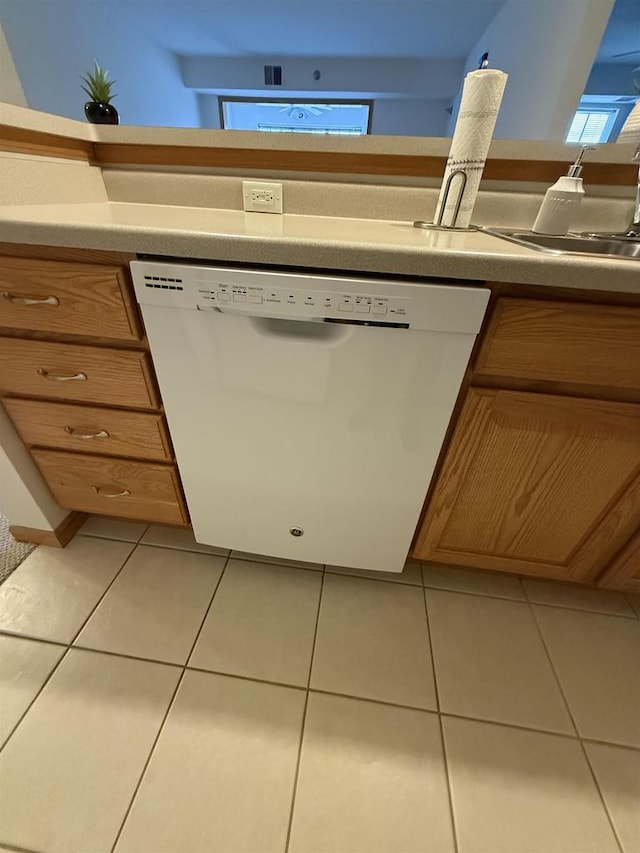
[528, 267]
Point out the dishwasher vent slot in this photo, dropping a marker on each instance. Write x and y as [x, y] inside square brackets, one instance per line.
[162, 283]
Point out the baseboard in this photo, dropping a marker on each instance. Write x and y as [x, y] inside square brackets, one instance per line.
[57, 538]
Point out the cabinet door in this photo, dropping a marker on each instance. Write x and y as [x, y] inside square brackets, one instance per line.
[624, 571]
[536, 484]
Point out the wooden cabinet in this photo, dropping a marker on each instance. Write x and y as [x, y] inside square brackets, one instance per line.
[624, 571]
[537, 484]
[77, 380]
[545, 341]
[542, 474]
[121, 487]
[112, 432]
[67, 297]
[66, 371]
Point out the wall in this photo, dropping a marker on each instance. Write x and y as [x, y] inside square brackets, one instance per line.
[612, 78]
[11, 90]
[62, 45]
[348, 78]
[371, 45]
[430, 84]
[410, 117]
[25, 179]
[24, 498]
[547, 47]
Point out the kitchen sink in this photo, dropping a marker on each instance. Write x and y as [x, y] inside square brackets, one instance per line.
[582, 244]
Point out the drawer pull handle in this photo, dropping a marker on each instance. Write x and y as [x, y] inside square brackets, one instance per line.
[58, 377]
[86, 435]
[31, 300]
[99, 491]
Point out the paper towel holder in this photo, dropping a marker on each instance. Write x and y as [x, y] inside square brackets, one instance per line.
[437, 225]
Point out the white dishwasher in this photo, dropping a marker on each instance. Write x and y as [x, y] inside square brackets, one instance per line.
[307, 411]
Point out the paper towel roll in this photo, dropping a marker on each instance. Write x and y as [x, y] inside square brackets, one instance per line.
[481, 97]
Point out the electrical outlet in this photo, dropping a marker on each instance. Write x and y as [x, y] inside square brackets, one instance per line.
[262, 197]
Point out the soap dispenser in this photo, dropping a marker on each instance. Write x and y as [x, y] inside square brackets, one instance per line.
[560, 200]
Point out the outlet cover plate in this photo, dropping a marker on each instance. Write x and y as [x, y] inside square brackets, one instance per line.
[262, 196]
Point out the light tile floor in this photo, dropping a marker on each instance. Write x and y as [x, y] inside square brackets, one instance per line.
[158, 695]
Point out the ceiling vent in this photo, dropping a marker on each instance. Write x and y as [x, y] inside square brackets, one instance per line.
[273, 75]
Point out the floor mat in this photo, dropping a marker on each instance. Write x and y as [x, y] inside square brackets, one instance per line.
[12, 553]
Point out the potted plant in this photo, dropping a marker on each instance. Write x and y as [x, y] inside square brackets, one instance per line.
[99, 110]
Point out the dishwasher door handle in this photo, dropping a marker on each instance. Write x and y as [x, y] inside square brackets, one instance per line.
[302, 330]
[361, 320]
[294, 329]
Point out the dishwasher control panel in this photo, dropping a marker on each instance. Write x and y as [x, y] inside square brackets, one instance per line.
[438, 305]
[258, 300]
[269, 294]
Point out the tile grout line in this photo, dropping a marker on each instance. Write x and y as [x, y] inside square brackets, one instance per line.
[308, 690]
[69, 646]
[445, 759]
[32, 639]
[526, 600]
[252, 678]
[100, 600]
[615, 744]
[148, 760]
[125, 656]
[346, 574]
[353, 696]
[532, 601]
[166, 713]
[303, 723]
[31, 704]
[206, 614]
[573, 723]
[225, 555]
[631, 604]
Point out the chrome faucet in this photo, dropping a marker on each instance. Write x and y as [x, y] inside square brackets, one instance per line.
[634, 225]
[633, 231]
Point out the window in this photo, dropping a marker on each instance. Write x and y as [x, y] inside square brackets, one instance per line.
[592, 126]
[335, 118]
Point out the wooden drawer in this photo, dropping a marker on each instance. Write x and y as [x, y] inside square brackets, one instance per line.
[143, 490]
[113, 432]
[563, 342]
[69, 298]
[73, 372]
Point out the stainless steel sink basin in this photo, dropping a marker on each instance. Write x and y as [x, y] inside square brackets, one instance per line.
[581, 244]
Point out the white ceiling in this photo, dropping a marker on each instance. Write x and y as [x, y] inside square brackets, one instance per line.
[372, 28]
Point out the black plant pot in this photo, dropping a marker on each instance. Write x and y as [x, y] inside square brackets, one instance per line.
[98, 113]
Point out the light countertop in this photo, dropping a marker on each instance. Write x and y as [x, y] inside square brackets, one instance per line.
[365, 245]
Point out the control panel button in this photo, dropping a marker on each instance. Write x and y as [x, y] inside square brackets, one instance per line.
[380, 310]
[346, 306]
[362, 308]
[257, 300]
[223, 296]
[239, 297]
